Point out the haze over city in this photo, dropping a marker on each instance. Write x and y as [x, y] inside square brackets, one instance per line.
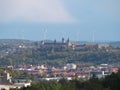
[82, 20]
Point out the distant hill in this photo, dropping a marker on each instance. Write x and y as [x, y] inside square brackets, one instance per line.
[19, 41]
[111, 43]
[11, 53]
[115, 44]
[14, 41]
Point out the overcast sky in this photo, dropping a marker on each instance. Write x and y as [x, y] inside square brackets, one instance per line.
[84, 20]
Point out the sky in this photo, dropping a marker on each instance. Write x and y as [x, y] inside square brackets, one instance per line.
[78, 20]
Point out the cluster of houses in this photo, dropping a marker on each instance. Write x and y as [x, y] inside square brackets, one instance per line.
[69, 71]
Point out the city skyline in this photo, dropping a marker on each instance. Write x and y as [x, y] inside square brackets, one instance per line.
[79, 20]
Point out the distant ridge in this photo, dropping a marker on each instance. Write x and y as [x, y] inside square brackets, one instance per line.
[18, 41]
[115, 43]
[14, 41]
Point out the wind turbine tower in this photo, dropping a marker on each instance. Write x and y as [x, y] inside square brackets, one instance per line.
[93, 37]
[45, 34]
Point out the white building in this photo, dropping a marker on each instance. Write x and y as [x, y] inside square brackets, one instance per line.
[100, 46]
[98, 74]
[22, 82]
[70, 66]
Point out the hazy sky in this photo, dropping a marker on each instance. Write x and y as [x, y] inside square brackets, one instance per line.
[83, 20]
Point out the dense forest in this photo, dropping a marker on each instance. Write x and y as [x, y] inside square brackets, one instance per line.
[57, 58]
